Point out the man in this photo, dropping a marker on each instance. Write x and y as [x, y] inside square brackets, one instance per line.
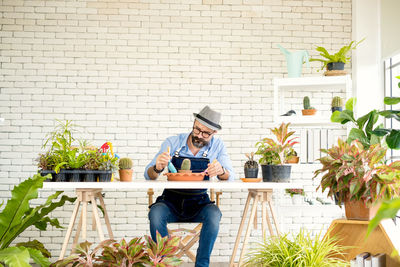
[188, 205]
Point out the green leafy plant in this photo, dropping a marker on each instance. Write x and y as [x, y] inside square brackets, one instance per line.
[273, 152]
[85, 257]
[340, 56]
[17, 216]
[108, 162]
[295, 191]
[124, 254]
[352, 172]
[302, 250]
[364, 129]
[162, 252]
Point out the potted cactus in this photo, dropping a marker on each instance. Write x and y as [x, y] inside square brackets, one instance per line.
[308, 110]
[185, 167]
[251, 166]
[125, 170]
[337, 104]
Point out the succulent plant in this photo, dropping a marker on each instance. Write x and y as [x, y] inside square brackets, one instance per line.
[337, 101]
[186, 165]
[125, 164]
[251, 163]
[306, 103]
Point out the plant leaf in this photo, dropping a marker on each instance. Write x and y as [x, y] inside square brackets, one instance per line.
[15, 257]
[391, 100]
[387, 210]
[393, 139]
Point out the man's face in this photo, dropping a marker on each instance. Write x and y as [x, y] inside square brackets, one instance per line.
[201, 135]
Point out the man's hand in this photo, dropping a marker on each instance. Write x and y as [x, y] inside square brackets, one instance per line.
[215, 169]
[162, 160]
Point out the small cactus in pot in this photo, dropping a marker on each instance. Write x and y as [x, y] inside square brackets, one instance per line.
[308, 110]
[185, 167]
[251, 166]
[337, 104]
[125, 169]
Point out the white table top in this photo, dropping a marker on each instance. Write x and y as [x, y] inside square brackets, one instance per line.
[143, 184]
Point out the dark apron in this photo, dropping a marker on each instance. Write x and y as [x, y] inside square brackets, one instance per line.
[186, 203]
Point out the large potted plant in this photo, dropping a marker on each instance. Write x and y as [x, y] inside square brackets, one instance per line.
[298, 250]
[358, 177]
[274, 154]
[335, 62]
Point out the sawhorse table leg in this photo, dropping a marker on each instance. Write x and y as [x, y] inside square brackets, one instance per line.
[84, 196]
[264, 196]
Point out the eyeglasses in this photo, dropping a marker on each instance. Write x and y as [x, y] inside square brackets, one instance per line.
[203, 133]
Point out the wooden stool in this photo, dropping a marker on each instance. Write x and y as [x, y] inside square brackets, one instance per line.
[83, 197]
[264, 196]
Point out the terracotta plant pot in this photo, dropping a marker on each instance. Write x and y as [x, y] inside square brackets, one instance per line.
[308, 112]
[184, 176]
[125, 175]
[184, 171]
[293, 159]
[357, 210]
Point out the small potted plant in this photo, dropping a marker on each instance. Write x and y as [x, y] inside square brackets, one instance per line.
[337, 104]
[308, 110]
[273, 154]
[251, 166]
[125, 170]
[358, 177]
[296, 194]
[336, 61]
[291, 156]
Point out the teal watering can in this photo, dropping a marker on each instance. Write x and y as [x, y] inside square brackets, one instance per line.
[295, 61]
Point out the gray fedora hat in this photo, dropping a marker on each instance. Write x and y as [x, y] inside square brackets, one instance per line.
[209, 118]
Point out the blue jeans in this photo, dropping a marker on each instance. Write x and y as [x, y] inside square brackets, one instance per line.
[210, 215]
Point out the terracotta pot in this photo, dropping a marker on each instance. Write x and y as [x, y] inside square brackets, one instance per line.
[308, 112]
[125, 175]
[184, 171]
[185, 176]
[357, 210]
[293, 159]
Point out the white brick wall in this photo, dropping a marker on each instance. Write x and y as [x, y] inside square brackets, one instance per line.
[133, 73]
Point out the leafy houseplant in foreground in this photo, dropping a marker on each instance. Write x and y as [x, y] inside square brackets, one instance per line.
[274, 154]
[17, 216]
[302, 250]
[354, 173]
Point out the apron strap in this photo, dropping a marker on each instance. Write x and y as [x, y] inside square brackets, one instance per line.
[176, 154]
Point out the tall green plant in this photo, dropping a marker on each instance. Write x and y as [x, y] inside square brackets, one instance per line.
[302, 250]
[17, 216]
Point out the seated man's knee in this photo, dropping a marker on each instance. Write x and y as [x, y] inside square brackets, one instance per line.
[158, 212]
[213, 214]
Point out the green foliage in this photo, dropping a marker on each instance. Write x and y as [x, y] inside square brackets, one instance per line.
[35, 244]
[186, 164]
[125, 164]
[273, 152]
[108, 162]
[302, 250]
[295, 191]
[251, 163]
[353, 172]
[387, 210]
[163, 252]
[135, 253]
[340, 56]
[365, 130]
[94, 159]
[17, 216]
[124, 254]
[306, 103]
[337, 101]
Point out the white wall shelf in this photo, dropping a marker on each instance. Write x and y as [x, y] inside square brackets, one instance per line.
[319, 83]
[1, 121]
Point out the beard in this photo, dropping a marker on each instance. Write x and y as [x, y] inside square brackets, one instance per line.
[199, 142]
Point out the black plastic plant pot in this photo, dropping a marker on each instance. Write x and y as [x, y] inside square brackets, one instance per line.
[336, 109]
[74, 175]
[266, 173]
[89, 176]
[46, 172]
[276, 173]
[335, 66]
[105, 176]
[61, 176]
[250, 172]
